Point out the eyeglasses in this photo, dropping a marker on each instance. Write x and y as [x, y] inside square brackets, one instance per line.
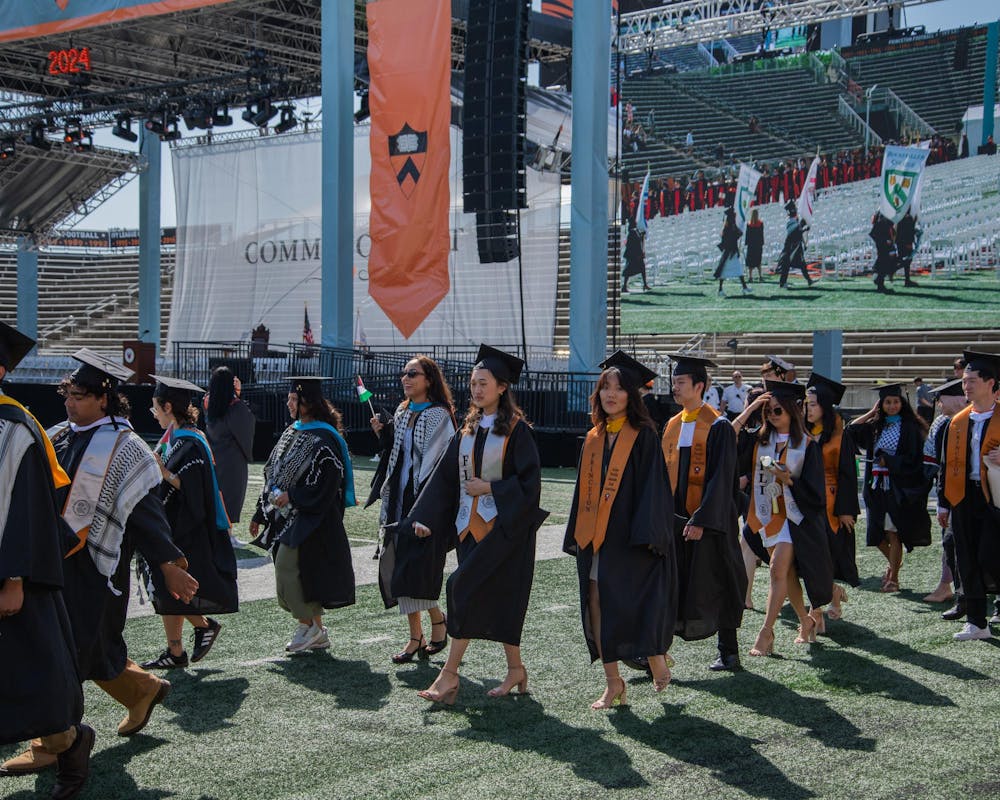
[75, 395]
[409, 373]
[775, 411]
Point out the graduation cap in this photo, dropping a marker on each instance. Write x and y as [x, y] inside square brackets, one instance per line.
[690, 365]
[986, 364]
[175, 391]
[822, 383]
[504, 366]
[792, 391]
[792, 208]
[14, 346]
[890, 390]
[778, 364]
[638, 373]
[308, 387]
[98, 373]
[952, 388]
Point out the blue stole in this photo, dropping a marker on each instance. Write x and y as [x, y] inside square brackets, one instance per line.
[349, 499]
[221, 518]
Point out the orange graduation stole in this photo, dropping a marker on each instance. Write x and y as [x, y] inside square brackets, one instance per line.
[59, 476]
[831, 471]
[477, 515]
[778, 515]
[699, 454]
[956, 465]
[594, 502]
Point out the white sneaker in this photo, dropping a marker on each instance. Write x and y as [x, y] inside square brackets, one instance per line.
[970, 632]
[314, 633]
[299, 638]
[995, 619]
[321, 642]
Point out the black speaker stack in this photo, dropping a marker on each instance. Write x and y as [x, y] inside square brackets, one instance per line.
[493, 123]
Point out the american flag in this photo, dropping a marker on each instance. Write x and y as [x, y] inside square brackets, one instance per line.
[307, 331]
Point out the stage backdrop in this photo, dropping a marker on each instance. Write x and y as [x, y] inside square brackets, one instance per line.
[249, 250]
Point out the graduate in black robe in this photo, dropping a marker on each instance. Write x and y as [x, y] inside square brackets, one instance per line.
[620, 531]
[699, 447]
[229, 426]
[635, 257]
[793, 255]
[967, 498]
[308, 484]
[126, 517]
[198, 523]
[826, 427]
[787, 527]
[895, 488]
[489, 482]
[40, 692]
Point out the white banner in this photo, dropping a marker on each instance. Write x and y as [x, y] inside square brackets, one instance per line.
[249, 251]
[807, 199]
[746, 189]
[901, 170]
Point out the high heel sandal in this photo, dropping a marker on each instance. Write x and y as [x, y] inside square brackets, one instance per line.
[617, 699]
[508, 683]
[819, 620]
[436, 695]
[759, 649]
[835, 612]
[804, 637]
[661, 683]
[407, 656]
[435, 646]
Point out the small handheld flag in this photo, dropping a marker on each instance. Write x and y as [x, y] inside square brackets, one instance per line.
[364, 396]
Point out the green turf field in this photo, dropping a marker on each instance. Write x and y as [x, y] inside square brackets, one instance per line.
[886, 707]
[966, 301]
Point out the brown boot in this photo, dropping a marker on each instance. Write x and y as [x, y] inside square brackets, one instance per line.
[139, 714]
[32, 760]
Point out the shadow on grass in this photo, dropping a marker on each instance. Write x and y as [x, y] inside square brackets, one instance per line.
[201, 705]
[351, 683]
[521, 724]
[730, 758]
[768, 698]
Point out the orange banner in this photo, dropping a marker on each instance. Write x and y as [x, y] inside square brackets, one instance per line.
[409, 60]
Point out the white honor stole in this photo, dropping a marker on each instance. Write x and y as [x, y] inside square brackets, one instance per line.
[484, 506]
[89, 479]
[766, 486]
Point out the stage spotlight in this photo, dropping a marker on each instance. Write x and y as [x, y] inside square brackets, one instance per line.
[8, 149]
[221, 116]
[123, 128]
[288, 120]
[171, 132]
[37, 137]
[199, 115]
[155, 125]
[265, 113]
[363, 112]
[72, 130]
[85, 143]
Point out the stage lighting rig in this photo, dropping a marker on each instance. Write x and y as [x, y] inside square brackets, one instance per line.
[8, 149]
[221, 117]
[200, 113]
[287, 121]
[123, 128]
[36, 138]
[85, 143]
[263, 114]
[164, 125]
[72, 130]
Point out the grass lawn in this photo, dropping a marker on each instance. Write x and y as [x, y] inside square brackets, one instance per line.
[967, 301]
[886, 707]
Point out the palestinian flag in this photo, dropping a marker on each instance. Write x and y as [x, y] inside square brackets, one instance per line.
[363, 394]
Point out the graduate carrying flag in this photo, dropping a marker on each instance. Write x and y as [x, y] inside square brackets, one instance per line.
[635, 247]
[746, 189]
[807, 200]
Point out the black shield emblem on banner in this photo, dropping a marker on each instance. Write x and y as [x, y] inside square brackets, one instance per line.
[407, 152]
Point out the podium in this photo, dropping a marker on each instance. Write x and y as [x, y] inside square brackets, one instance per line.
[140, 357]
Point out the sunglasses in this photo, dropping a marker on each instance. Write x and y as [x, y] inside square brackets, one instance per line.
[409, 373]
[775, 411]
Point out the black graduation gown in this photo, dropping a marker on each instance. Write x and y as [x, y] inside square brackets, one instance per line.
[488, 592]
[813, 562]
[325, 566]
[975, 525]
[841, 541]
[634, 257]
[40, 691]
[906, 499]
[191, 514]
[755, 244]
[636, 574]
[712, 581]
[231, 439]
[96, 614]
[729, 245]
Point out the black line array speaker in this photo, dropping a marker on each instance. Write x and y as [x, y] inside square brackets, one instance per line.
[496, 236]
[493, 114]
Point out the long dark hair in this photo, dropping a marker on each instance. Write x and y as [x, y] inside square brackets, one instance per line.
[797, 429]
[906, 413]
[508, 413]
[221, 393]
[825, 402]
[322, 410]
[638, 415]
[438, 390]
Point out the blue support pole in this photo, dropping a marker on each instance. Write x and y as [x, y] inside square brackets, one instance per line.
[588, 280]
[337, 279]
[27, 287]
[828, 353]
[149, 239]
[990, 77]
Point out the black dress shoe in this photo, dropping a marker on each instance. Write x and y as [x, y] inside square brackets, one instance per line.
[73, 766]
[956, 612]
[726, 662]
